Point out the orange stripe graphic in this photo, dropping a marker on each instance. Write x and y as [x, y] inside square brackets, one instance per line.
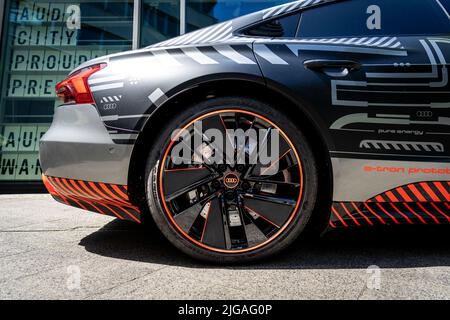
[403, 215]
[350, 215]
[89, 191]
[112, 195]
[430, 192]
[387, 213]
[82, 196]
[440, 211]
[117, 189]
[339, 217]
[442, 190]
[417, 193]
[405, 196]
[368, 220]
[391, 196]
[428, 213]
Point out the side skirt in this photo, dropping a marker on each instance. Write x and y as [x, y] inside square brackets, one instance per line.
[357, 214]
[419, 203]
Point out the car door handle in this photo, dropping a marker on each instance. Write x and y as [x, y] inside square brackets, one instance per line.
[334, 68]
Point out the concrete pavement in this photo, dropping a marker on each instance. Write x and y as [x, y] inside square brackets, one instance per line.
[51, 251]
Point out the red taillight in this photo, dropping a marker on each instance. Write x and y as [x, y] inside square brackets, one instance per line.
[75, 88]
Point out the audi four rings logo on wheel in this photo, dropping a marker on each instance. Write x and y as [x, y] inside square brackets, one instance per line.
[238, 137]
[231, 181]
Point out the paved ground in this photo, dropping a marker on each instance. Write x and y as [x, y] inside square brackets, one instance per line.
[50, 251]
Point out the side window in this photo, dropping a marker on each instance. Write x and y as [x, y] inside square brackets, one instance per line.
[376, 18]
[285, 27]
[445, 6]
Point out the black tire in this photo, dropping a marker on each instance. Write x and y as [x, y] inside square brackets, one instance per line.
[299, 218]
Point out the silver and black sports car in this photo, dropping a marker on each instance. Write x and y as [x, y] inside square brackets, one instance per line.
[237, 138]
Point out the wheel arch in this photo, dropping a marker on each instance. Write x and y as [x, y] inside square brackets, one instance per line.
[247, 88]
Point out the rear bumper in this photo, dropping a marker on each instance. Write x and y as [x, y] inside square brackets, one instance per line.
[82, 167]
[108, 199]
[78, 146]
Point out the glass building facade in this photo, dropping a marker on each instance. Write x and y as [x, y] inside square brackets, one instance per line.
[41, 41]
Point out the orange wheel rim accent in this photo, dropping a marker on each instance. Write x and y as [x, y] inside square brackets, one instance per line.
[231, 251]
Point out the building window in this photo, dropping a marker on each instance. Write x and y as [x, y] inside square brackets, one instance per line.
[160, 20]
[203, 13]
[43, 41]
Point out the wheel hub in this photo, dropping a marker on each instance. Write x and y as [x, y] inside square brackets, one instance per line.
[231, 180]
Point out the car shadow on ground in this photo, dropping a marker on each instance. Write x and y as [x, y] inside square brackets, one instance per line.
[388, 247]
